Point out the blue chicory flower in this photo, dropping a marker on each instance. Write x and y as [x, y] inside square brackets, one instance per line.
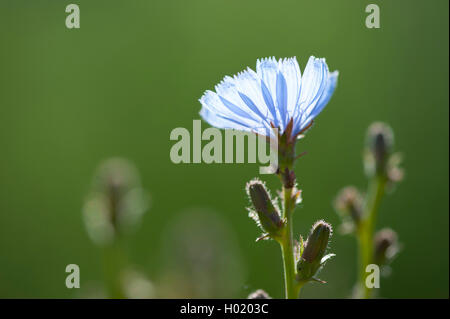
[270, 97]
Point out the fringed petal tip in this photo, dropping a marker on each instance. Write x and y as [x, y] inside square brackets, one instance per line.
[273, 94]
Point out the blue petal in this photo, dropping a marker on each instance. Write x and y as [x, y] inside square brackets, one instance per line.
[250, 104]
[270, 104]
[282, 97]
[291, 72]
[324, 98]
[267, 70]
[250, 92]
[218, 121]
[213, 103]
[314, 81]
[328, 92]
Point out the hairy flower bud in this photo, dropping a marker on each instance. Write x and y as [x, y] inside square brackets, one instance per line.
[267, 215]
[259, 294]
[379, 144]
[386, 246]
[349, 203]
[317, 242]
[314, 249]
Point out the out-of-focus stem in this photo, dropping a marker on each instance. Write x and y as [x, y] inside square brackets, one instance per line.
[113, 263]
[366, 231]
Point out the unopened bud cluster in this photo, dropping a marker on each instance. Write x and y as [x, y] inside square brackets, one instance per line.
[310, 255]
[358, 211]
[302, 261]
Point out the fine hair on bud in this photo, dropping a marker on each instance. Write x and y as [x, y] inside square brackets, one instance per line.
[264, 211]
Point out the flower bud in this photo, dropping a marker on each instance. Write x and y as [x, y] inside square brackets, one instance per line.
[259, 294]
[386, 246]
[116, 201]
[314, 249]
[379, 143]
[267, 215]
[349, 203]
[317, 242]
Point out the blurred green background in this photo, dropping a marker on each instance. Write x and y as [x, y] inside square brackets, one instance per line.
[135, 70]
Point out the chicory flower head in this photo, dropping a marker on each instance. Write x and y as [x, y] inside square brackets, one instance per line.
[271, 97]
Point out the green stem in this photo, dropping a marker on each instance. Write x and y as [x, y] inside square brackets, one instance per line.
[113, 265]
[366, 230]
[292, 288]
